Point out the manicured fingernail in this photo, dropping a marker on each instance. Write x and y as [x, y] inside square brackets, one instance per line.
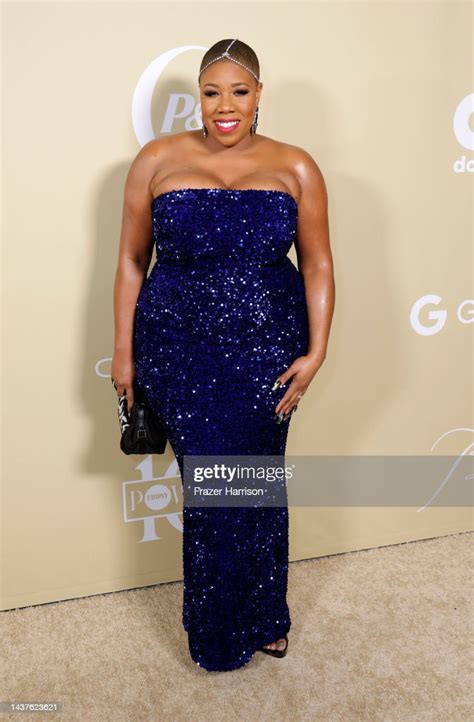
[276, 385]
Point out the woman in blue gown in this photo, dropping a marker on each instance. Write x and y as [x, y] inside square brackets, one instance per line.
[226, 336]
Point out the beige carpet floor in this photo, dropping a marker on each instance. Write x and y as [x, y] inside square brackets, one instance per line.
[377, 635]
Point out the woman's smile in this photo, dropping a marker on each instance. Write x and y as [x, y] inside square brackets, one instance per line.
[226, 126]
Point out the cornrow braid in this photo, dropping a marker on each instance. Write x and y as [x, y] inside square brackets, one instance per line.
[242, 54]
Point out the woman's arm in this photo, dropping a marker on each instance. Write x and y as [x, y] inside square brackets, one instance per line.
[316, 266]
[134, 256]
[314, 254]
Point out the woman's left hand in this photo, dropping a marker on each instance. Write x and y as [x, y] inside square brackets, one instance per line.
[303, 369]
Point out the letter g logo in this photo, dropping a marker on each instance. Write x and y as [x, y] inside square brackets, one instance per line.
[438, 316]
[464, 314]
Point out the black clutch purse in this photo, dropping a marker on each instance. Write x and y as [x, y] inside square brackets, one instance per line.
[141, 430]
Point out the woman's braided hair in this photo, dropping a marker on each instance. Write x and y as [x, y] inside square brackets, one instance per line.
[239, 51]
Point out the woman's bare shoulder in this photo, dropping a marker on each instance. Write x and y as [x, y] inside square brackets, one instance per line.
[160, 147]
[298, 162]
[279, 146]
[171, 147]
[306, 168]
[299, 157]
[157, 155]
[292, 154]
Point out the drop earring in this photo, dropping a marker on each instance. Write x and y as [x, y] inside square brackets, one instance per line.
[205, 131]
[253, 127]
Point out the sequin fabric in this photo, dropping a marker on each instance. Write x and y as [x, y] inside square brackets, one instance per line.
[220, 316]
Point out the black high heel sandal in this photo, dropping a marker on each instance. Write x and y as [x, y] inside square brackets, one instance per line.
[276, 652]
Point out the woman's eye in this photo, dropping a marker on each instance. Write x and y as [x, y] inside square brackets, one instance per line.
[213, 92]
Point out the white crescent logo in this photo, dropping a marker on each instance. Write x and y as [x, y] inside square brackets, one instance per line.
[461, 119]
[143, 94]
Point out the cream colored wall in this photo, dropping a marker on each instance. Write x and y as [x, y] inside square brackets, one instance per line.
[371, 91]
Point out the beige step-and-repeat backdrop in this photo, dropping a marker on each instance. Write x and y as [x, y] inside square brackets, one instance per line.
[381, 95]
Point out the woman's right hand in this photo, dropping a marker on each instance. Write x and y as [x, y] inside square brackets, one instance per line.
[123, 374]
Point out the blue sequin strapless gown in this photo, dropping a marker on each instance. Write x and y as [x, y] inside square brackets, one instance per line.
[220, 316]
